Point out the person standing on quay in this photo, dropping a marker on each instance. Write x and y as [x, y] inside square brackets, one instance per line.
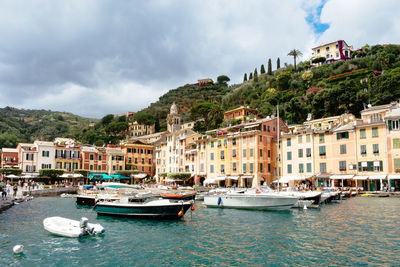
[15, 189]
[4, 193]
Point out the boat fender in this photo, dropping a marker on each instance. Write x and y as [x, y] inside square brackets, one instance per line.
[192, 208]
[17, 249]
[219, 201]
[180, 214]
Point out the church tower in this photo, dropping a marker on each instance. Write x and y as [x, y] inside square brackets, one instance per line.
[173, 119]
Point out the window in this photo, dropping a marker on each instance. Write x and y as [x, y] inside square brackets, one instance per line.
[149, 161]
[212, 168]
[212, 144]
[363, 134]
[301, 168]
[322, 151]
[234, 153]
[261, 152]
[244, 153]
[251, 152]
[222, 168]
[234, 141]
[344, 135]
[393, 125]
[225, 142]
[91, 157]
[211, 156]
[222, 154]
[343, 149]
[342, 165]
[376, 117]
[321, 138]
[308, 167]
[300, 153]
[251, 167]
[260, 138]
[308, 138]
[300, 139]
[375, 132]
[327, 48]
[322, 167]
[289, 142]
[219, 143]
[396, 164]
[396, 142]
[114, 167]
[269, 153]
[269, 167]
[142, 160]
[234, 166]
[244, 140]
[308, 152]
[375, 148]
[58, 165]
[244, 168]
[289, 155]
[289, 168]
[363, 149]
[251, 139]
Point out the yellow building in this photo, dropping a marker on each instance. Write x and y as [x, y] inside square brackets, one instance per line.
[337, 50]
[68, 155]
[135, 129]
[241, 113]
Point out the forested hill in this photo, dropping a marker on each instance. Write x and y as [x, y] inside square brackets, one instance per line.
[25, 125]
[371, 76]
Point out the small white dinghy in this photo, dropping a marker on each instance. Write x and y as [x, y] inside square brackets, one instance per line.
[71, 228]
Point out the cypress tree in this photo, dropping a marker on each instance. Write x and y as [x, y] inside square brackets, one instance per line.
[255, 75]
[269, 67]
[251, 76]
[278, 63]
[262, 70]
[245, 77]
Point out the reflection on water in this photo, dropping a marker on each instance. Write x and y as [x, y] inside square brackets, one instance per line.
[358, 231]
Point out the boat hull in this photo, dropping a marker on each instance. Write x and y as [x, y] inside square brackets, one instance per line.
[86, 200]
[142, 210]
[256, 202]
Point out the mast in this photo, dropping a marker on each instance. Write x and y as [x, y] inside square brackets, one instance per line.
[278, 158]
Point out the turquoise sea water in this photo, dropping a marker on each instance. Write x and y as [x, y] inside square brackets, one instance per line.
[359, 231]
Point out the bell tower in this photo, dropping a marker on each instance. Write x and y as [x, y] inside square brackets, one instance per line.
[173, 119]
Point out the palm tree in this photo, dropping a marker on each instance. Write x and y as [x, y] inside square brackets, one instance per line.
[295, 53]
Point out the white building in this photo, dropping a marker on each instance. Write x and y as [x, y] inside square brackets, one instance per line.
[46, 153]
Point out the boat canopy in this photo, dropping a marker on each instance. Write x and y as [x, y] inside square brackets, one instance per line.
[99, 176]
[141, 176]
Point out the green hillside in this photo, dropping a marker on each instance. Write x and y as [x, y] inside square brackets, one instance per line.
[25, 125]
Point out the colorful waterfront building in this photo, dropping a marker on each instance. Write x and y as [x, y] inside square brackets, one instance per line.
[115, 160]
[27, 158]
[9, 158]
[136, 129]
[392, 119]
[46, 152]
[94, 159]
[241, 113]
[67, 155]
[139, 156]
[337, 50]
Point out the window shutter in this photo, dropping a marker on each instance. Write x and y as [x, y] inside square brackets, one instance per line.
[346, 135]
[390, 125]
[381, 165]
[359, 166]
[338, 136]
[370, 166]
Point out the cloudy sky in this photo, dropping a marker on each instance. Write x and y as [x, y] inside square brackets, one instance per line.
[96, 57]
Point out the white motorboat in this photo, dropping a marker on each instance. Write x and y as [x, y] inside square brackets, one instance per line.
[256, 199]
[71, 228]
[313, 196]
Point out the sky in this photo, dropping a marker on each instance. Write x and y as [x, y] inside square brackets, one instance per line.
[98, 57]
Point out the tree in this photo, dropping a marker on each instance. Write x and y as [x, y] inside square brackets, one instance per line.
[209, 113]
[52, 173]
[223, 79]
[269, 67]
[278, 63]
[295, 53]
[307, 77]
[251, 76]
[145, 118]
[107, 119]
[283, 80]
[8, 140]
[245, 77]
[262, 69]
[8, 171]
[116, 128]
[255, 75]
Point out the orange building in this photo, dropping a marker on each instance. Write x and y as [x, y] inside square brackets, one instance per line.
[241, 113]
[139, 156]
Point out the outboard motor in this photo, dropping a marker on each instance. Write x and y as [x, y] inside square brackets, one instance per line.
[83, 222]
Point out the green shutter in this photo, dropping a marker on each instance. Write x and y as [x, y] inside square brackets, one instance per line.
[359, 166]
[338, 136]
[381, 166]
[390, 125]
[370, 166]
[346, 135]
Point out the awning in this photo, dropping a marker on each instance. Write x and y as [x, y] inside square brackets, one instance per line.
[232, 177]
[99, 176]
[220, 178]
[209, 181]
[393, 176]
[12, 176]
[71, 175]
[360, 177]
[286, 179]
[342, 176]
[119, 176]
[247, 176]
[140, 175]
[377, 177]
